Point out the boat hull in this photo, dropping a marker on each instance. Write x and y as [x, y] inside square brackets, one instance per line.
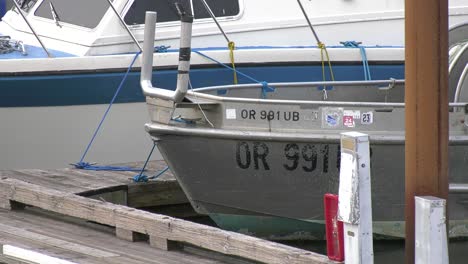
[230, 177]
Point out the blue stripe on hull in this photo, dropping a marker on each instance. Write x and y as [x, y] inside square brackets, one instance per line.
[99, 88]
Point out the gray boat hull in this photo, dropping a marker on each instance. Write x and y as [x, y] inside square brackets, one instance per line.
[287, 178]
[269, 150]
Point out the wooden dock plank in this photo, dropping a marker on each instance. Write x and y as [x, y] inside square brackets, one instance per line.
[53, 179]
[77, 236]
[36, 177]
[104, 178]
[65, 179]
[90, 178]
[155, 225]
[55, 242]
[37, 246]
[76, 180]
[154, 165]
[73, 257]
[152, 168]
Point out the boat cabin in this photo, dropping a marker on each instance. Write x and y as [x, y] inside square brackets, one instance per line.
[91, 27]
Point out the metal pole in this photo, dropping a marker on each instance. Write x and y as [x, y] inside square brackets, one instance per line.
[426, 99]
[208, 9]
[308, 21]
[32, 29]
[184, 60]
[125, 25]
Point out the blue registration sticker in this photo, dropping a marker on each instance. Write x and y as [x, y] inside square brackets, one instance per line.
[331, 117]
[332, 120]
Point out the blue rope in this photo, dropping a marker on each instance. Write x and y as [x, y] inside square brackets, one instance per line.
[265, 87]
[88, 166]
[161, 49]
[159, 174]
[365, 62]
[140, 177]
[180, 120]
[144, 178]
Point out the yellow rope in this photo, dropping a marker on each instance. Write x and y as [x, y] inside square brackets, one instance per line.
[232, 46]
[323, 50]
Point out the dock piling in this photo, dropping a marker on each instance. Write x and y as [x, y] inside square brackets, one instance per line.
[426, 106]
[354, 198]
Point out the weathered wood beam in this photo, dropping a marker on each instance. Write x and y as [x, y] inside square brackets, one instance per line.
[159, 227]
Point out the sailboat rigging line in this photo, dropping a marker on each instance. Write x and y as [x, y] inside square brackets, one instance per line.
[208, 9]
[125, 25]
[323, 51]
[308, 21]
[32, 29]
[231, 44]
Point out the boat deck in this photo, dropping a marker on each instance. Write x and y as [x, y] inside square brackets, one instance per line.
[90, 217]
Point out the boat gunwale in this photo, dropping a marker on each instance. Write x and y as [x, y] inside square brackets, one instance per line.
[331, 136]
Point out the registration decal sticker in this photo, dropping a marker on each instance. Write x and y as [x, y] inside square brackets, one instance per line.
[331, 117]
[367, 118]
[230, 113]
[348, 121]
[349, 117]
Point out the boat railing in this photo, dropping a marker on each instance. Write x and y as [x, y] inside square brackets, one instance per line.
[380, 84]
[184, 60]
[202, 94]
[183, 78]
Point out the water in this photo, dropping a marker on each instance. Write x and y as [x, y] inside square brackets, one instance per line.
[392, 251]
[54, 137]
[385, 251]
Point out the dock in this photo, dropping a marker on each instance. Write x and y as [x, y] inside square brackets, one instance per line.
[80, 216]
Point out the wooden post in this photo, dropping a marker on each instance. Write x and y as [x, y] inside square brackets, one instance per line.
[354, 198]
[426, 101]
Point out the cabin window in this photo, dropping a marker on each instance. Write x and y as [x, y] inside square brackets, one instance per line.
[167, 10]
[85, 13]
